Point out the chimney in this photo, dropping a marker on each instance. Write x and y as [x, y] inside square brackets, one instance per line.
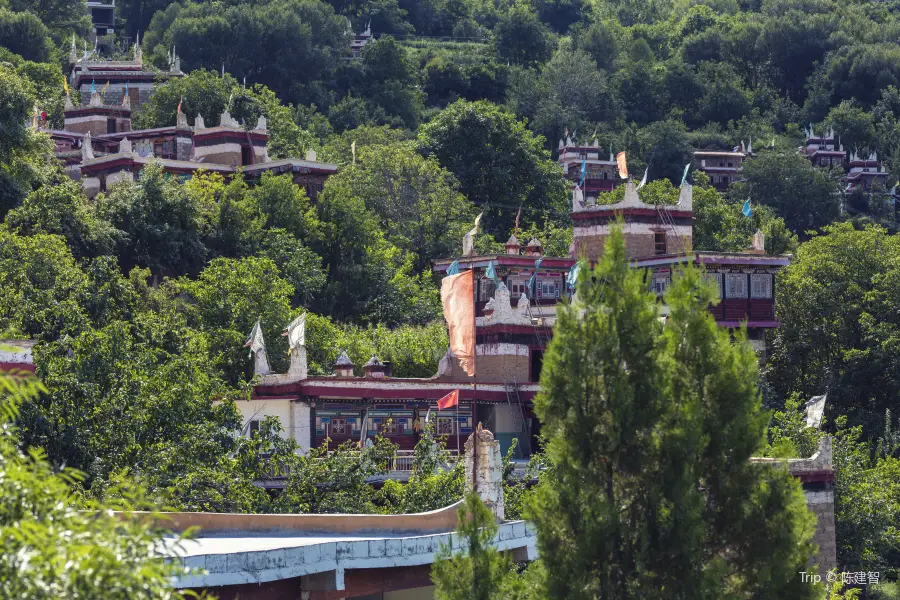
[388, 368]
[343, 367]
[374, 369]
[534, 248]
[758, 246]
[513, 246]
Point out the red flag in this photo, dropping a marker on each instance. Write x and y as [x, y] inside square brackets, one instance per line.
[449, 401]
[179, 103]
[518, 214]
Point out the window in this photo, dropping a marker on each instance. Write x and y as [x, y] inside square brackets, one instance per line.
[253, 427]
[487, 289]
[659, 240]
[390, 427]
[445, 426]
[547, 288]
[246, 156]
[761, 285]
[736, 285]
[660, 282]
[730, 164]
[517, 287]
[110, 126]
[339, 426]
[715, 279]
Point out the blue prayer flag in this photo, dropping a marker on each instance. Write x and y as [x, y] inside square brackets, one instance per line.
[93, 89]
[687, 168]
[572, 279]
[491, 271]
[747, 210]
[453, 269]
[583, 170]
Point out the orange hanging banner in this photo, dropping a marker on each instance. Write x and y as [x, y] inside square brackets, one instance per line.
[449, 401]
[623, 166]
[458, 300]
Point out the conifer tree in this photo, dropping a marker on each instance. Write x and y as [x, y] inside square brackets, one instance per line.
[481, 572]
[650, 425]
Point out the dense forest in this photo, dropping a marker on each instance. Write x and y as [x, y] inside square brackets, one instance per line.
[141, 299]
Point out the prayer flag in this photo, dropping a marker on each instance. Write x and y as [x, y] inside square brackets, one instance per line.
[449, 401]
[93, 89]
[296, 332]
[469, 238]
[353, 150]
[453, 269]
[583, 169]
[179, 104]
[255, 341]
[644, 179]
[518, 214]
[533, 280]
[458, 300]
[623, 166]
[746, 209]
[572, 278]
[491, 272]
[687, 168]
[103, 90]
[66, 85]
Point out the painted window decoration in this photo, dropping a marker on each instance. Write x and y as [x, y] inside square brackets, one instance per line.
[339, 426]
[445, 426]
[761, 285]
[391, 427]
[736, 285]
[715, 279]
[517, 287]
[547, 288]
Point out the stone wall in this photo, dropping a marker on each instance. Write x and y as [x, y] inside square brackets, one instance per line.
[494, 368]
[484, 470]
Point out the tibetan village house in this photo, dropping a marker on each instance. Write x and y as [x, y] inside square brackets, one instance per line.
[513, 322]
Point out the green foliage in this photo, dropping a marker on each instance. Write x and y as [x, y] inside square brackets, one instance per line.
[482, 572]
[289, 46]
[636, 412]
[50, 544]
[867, 504]
[520, 38]
[789, 437]
[498, 162]
[806, 197]
[157, 223]
[23, 33]
[837, 326]
[416, 201]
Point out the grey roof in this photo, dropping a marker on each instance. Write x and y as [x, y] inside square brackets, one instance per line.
[343, 360]
[373, 362]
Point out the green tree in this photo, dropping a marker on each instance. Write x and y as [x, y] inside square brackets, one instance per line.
[520, 38]
[650, 427]
[50, 542]
[60, 16]
[479, 573]
[63, 209]
[836, 304]
[417, 202]
[24, 34]
[806, 197]
[157, 223]
[854, 126]
[498, 162]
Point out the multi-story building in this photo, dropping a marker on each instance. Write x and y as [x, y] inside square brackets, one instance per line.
[98, 146]
[723, 168]
[600, 175]
[514, 322]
